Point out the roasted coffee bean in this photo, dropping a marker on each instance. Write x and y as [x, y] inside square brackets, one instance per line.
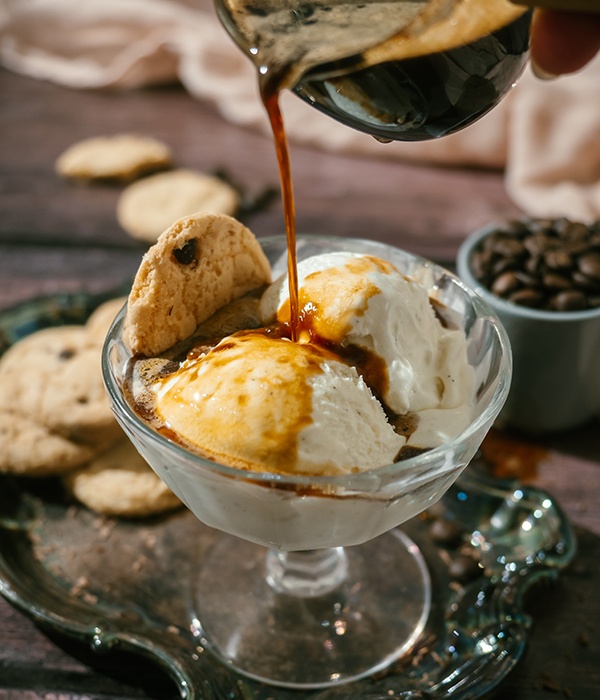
[576, 247]
[505, 284]
[515, 228]
[541, 225]
[534, 264]
[528, 280]
[528, 297]
[509, 247]
[571, 230]
[557, 259]
[542, 263]
[571, 300]
[503, 265]
[552, 280]
[586, 283]
[537, 244]
[589, 265]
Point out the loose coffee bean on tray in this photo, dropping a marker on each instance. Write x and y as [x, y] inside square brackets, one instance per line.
[547, 264]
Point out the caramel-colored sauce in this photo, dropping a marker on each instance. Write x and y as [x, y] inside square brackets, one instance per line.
[320, 298]
[325, 320]
[237, 410]
[215, 401]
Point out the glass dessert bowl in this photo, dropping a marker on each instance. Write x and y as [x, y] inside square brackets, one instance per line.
[311, 583]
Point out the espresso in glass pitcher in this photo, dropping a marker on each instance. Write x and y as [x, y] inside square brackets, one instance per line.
[404, 70]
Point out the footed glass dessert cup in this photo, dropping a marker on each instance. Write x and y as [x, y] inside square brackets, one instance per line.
[310, 582]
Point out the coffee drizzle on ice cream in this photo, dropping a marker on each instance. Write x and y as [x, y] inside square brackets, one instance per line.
[241, 318]
[144, 375]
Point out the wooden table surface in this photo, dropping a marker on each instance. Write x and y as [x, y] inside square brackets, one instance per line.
[56, 236]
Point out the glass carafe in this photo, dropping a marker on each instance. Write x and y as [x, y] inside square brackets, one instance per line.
[403, 70]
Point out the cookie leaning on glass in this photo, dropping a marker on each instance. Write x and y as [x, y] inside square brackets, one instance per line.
[199, 265]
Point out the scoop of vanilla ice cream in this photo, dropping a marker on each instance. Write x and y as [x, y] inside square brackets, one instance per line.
[268, 404]
[358, 300]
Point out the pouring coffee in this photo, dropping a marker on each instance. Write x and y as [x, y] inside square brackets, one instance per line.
[404, 70]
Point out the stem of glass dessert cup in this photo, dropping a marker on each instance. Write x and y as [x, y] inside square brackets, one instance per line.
[308, 573]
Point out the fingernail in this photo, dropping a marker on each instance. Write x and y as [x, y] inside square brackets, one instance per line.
[540, 73]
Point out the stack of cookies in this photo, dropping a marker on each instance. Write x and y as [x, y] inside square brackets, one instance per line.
[55, 420]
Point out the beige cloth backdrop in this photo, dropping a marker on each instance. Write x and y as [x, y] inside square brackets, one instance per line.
[545, 135]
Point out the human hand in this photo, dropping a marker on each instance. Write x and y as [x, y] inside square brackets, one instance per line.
[563, 42]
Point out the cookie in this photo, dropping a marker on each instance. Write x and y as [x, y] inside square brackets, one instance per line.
[100, 321]
[30, 449]
[54, 378]
[197, 266]
[148, 207]
[120, 483]
[118, 157]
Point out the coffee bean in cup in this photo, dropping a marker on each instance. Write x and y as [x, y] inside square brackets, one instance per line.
[546, 264]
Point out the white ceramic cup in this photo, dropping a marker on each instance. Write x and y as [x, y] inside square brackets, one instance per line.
[556, 358]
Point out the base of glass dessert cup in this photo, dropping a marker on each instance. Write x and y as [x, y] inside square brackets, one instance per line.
[311, 619]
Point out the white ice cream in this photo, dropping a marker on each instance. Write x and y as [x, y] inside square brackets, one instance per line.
[267, 404]
[355, 300]
[261, 402]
